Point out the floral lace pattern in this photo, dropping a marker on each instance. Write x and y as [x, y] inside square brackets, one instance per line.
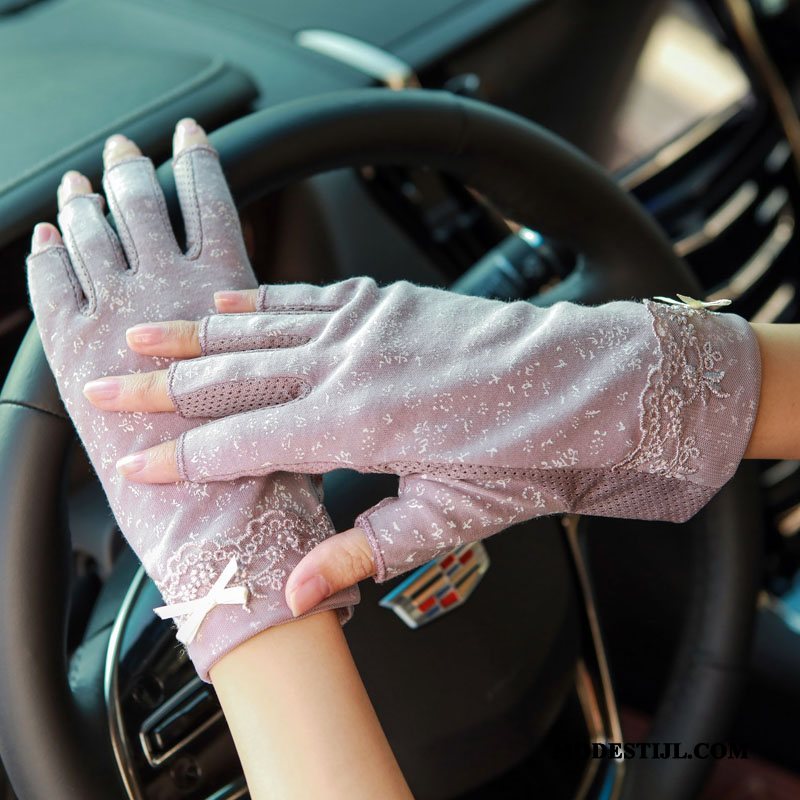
[265, 550]
[689, 370]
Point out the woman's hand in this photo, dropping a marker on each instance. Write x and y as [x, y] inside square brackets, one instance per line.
[492, 413]
[88, 283]
[336, 563]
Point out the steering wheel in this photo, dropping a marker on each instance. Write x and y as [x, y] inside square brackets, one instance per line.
[48, 713]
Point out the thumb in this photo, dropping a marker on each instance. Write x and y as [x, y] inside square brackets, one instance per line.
[334, 564]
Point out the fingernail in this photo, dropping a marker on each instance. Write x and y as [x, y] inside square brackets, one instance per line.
[119, 148]
[74, 180]
[130, 465]
[230, 299]
[42, 236]
[115, 141]
[72, 184]
[187, 133]
[102, 389]
[145, 334]
[189, 125]
[309, 594]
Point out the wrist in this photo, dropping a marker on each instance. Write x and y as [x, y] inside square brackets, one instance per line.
[774, 436]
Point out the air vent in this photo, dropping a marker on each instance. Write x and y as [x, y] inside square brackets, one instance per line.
[178, 722]
[729, 201]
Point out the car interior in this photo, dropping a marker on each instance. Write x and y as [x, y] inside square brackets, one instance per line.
[451, 143]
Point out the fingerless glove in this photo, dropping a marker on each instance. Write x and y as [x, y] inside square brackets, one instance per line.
[491, 413]
[220, 553]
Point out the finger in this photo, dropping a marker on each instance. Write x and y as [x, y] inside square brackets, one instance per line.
[52, 284]
[54, 289]
[143, 391]
[209, 214]
[236, 302]
[221, 386]
[72, 185]
[94, 251]
[308, 297]
[175, 339]
[137, 203]
[430, 517]
[154, 465]
[119, 148]
[232, 333]
[45, 235]
[335, 564]
[188, 134]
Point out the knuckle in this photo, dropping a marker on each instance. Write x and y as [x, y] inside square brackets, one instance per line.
[164, 454]
[186, 335]
[147, 385]
[356, 560]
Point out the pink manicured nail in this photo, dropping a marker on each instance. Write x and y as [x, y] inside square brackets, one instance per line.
[188, 133]
[228, 301]
[102, 389]
[145, 334]
[115, 141]
[309, 594]
[42, 236]
[119, 148]
[130, 465]
[188, 125]
[72, 184]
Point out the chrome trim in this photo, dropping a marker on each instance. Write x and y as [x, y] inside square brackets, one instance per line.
[680, 146]
[759, 263]
[776, 304]
[233, 791]
[593, 716]
[788, 523]
[591, 708]
[720, 220]
[741, 15]
[778, 472]
[772, 205]
[787, 614]
[362, 56]
[119, 741]
[163, 710]
[778, 156]
[607, 710]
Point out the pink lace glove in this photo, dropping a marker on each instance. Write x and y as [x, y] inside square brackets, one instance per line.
[225, 549]
[493, 413]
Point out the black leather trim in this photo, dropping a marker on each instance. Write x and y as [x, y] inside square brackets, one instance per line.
[47, 746]
[29, 383]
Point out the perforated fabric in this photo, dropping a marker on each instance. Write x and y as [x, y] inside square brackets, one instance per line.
[84, 297]
[238, 396]
[493, 412]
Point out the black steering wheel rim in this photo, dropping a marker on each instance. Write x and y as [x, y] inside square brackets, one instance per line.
[538, 180]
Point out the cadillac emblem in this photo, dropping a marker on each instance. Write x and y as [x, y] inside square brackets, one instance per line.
[439, 586]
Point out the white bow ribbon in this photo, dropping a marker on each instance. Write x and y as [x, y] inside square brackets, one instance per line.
[219, 594]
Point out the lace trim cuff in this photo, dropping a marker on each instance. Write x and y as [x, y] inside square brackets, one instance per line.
[701, 397]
